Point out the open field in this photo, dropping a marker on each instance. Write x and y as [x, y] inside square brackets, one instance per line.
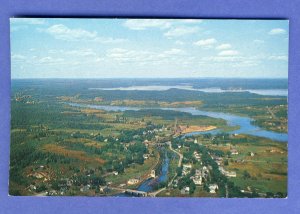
[265, 161]
[197, 129]
[72, 154]
[59, 149]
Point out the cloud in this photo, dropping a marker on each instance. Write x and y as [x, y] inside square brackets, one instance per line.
[178, 42]
[258, 41]
[50, 60]
[223, 46]
[27, 21]
[121, 55]
[228, 53]
[142, 24]
[174, 51]
[192, 21]
[62, 32]
[75, 52]
[222, 59]
[181, 31]
[17, 57]
[206, 42]
[277, 31]
[278, 57]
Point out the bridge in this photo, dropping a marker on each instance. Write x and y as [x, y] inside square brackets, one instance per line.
[153, 194]
[131, 192]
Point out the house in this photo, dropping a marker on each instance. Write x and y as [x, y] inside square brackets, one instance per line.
[230, 174]
[186, 168]
[152, 174]
[132, 181]
[227, 173]
[185, 190]
[213, 188]
[198, 172]
[205, 172]
[146, 156]
[103, 189]
[251, 154]
[234, 152]
[32, 187]
[85, 188]
[197, 180]
[115, 173]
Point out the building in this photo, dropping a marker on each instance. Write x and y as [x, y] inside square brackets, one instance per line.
[85, 188]
[213, 188]
[146, 156]
[186, 169]
[234, 152]
[230, 174]
[132, 181]
[197, 180]
[152, 174]
[227, 173]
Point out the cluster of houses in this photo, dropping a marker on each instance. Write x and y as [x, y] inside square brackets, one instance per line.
[186, 169]
[227, 173]
[198, 178]
[197, 156]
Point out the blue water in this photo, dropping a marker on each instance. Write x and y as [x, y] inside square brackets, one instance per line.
[233, 120]
[147, 186]
[270, 92]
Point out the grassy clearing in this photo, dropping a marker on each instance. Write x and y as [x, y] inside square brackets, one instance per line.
[80, 155]
[267, 167]
[134, 171]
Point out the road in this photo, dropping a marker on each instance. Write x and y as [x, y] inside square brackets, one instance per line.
[271, 112]
[153, 194]
[179, 154]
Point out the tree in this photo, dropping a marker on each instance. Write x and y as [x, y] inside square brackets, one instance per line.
[246, 175]
[192, 187]
[179, 171]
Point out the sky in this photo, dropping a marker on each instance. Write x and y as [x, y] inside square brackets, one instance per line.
[148, 48]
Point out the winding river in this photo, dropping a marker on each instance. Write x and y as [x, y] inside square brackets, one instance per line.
[244, 123]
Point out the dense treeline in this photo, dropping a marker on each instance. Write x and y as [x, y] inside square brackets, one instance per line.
[165, 114]
[80, 88]
[51, 114]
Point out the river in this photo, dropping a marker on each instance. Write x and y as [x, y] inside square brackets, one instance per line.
[244, 123]
[148, 185]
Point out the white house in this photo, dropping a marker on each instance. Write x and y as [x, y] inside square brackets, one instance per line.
[132, 181]
[213, 188]
[197, 180]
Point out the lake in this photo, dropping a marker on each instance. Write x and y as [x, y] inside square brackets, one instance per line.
[266, 92]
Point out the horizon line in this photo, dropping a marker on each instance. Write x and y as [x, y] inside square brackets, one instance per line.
[98, 78]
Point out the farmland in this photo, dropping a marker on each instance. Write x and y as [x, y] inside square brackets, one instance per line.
[111, 140]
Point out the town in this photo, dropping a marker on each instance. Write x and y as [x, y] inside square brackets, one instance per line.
[82, 150]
